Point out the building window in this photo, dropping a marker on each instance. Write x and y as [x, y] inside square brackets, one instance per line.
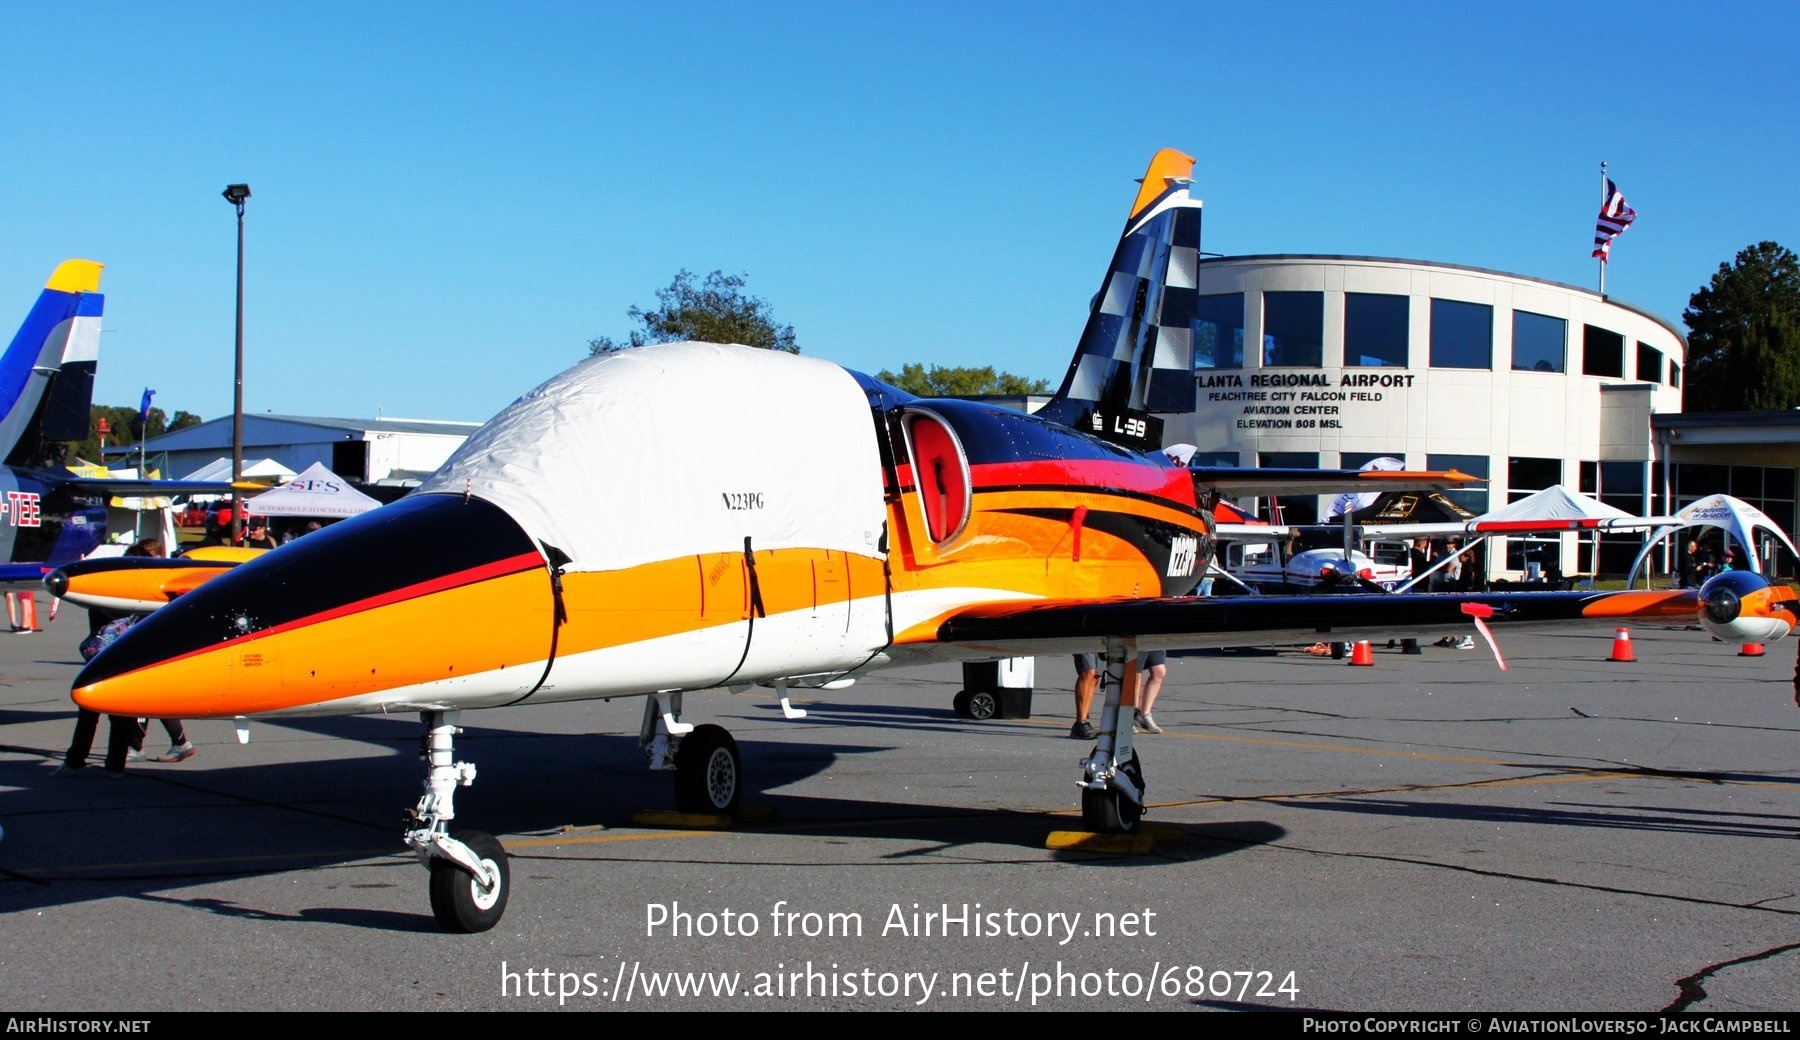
[1649, 364]
[1296, 509]
[1602, 353]
[1524, 476]
[1375, 330]
[1219, 331]
[1359, 459]
[1214, 458]
[1462, 335]
[1474, 499]
[1538, 342]
[1293, 329]
[1527, 475]
[1674, 375]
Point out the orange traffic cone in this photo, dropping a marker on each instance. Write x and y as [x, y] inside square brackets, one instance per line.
[1622, 647]
[1751, 650]
[1361, 654]
[27, 613]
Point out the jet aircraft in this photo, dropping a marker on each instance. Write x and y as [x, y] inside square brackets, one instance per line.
[140, 584]
[49, 516]
[694, 516]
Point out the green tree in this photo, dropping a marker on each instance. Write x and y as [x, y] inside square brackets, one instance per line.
[1743, 352]
[123, 428]
[1770, 357]
[961, 382]
[714, 311]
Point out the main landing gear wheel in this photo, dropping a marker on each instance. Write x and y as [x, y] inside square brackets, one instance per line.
[1109, 811]
[458, 900]
[709, 774]
[980, 705]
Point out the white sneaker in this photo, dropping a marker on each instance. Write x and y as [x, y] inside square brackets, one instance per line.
[1146, 723]
[1468, 643]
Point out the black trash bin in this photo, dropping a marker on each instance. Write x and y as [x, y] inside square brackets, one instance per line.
[996, 689]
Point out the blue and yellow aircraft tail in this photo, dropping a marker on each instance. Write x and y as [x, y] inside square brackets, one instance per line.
[47, 373]
[1136, 353]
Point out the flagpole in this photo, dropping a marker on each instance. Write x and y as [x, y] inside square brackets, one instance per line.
[1603, 210]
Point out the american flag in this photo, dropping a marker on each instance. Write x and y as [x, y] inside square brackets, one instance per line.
[1615, 217]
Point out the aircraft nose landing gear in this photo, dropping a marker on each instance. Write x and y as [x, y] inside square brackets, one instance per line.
[1109, 810]
[470, 877]
[1112, 784]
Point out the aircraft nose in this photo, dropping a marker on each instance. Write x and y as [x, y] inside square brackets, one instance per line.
[423, 590]
[57, 581]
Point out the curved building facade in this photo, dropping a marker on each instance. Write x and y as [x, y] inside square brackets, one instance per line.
[1335, 360]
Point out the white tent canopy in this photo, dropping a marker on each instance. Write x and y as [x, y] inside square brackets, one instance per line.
[1738, 519]
[254, 469]
[315, 492]
[1555, 502]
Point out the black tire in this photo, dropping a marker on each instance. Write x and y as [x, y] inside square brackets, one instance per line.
[458, 903]
[983, 705]
[960, 704]
[1109, 812]
[709, 774]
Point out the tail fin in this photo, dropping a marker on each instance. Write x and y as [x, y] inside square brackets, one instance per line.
[1136, 354]
[47, 374]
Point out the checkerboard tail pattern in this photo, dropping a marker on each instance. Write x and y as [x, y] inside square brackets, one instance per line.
[1136, 352]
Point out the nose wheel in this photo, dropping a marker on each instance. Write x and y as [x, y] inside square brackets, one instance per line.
[470, 878]
[459, 901]
[1110, 810]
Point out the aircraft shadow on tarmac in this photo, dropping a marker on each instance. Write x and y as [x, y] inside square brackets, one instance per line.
[161, 828]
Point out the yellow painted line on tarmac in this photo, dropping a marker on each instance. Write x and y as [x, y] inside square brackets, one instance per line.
[1129, 844]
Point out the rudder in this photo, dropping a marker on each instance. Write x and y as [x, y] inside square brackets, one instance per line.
[1136, 352]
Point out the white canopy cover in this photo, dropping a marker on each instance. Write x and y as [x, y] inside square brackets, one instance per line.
[1737, 518]
[315, 492]
[618, 461]
[254, 469]
[1555, 502]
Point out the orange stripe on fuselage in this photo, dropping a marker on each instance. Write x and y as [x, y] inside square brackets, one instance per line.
[460, 627]
[1645, 603]
[144, 585]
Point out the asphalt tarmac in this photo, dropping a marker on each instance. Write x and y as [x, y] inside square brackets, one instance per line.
[1428, 833]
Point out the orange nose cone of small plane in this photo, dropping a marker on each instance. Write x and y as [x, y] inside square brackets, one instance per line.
[428, 598]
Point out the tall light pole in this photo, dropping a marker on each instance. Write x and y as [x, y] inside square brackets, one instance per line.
[236, 194]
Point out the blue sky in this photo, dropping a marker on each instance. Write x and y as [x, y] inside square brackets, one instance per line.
[451, 199]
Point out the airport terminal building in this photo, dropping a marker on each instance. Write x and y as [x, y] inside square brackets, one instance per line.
[1305, 360]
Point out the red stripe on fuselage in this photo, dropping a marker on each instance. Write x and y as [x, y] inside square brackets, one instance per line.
[1172, 485]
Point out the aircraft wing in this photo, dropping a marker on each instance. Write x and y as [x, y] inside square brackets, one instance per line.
[1022, 629]
[1237, 480]
[135, 487]
[1252, 532]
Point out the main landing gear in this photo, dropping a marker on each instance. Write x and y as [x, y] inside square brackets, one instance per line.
[1112, 785]
[470, 877]
[709, 772]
